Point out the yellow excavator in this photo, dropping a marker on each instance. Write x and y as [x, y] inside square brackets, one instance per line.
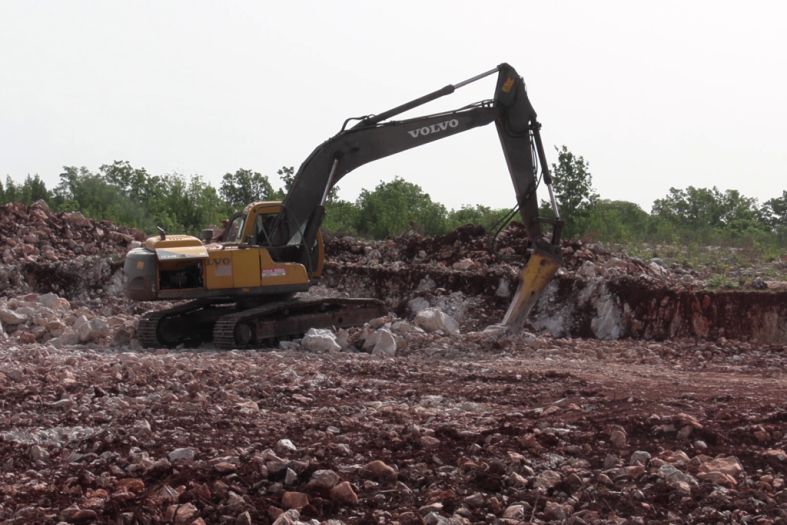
[242, 287]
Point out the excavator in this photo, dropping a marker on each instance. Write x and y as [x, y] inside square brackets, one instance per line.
[242, 288]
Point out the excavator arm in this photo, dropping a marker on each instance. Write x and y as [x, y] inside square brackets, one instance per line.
[375, 137]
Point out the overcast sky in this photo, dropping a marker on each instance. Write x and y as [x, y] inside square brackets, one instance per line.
[653, 95]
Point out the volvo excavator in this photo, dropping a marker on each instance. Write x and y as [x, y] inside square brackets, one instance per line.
[243, 287]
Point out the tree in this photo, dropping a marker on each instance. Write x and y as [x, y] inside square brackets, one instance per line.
[617, 221]
[478, 214]
[396, 206]
[243, 187]
[703, 207]
[10, 190]
[573, 187]
[774, 211]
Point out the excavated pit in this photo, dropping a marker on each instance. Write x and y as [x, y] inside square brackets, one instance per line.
[596, 294]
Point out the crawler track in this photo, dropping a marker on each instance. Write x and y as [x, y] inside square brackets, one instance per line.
[201, 321]
[256, 326]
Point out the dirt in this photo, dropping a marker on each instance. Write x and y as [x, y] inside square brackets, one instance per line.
[669, 409]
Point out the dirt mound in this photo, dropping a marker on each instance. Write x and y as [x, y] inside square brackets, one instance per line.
[64, 253]
[596, 293]
[33, 233]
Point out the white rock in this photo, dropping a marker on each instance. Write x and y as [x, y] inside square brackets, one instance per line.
[386, 343]
[370, 338]
[285, 445]
[463, 264]
[434, 319]
[99, 328]
[68, 337]
[503, 288]
[54, 302]
[182, 454]
[82, 328]
[416, 304]
[320, 340]
[11, 317]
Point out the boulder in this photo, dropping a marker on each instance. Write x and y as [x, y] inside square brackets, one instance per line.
[386, 343]
[434, 319]
[320, 340]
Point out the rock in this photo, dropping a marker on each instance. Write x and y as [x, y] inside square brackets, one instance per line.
[718, 478]
[378, 470]
[235, 501]
[181, 514]
[344, 493]
[417, 304]
[554, 511]
[618, 438]
[290, 477]
[288, 518]
[323, 479]
[503, 288]
[54, 302]
[294, 500]
[180, 454]
[38, 453]
[99, 328]
[386, 343]
[726, 465]
[776, 453]
[11, 317]
[474, 500]
[82, 328]
[244, 518]
[515, 512]
[285, 446]
[434, 319]
[320, 340]
[464, 264]
[547, 480]
[639, 457]
[74, 514]
[680, 481]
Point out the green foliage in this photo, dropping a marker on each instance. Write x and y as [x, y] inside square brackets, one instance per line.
[287, 176]
[708, 208]
[573, 187]
[397, 206]
[689, 218]
[478, 214]
[31, 190]
[245, 186]
[774, 212]
[616, 221]
[341, 217]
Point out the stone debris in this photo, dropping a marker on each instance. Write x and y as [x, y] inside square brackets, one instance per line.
[434, 319]
[320, 340]
[420, 416]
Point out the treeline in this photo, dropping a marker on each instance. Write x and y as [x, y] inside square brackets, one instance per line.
[131, 196]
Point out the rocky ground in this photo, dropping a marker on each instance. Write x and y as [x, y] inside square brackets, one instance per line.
[422, 416]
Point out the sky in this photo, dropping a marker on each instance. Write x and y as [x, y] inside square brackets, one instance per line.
[653, 95]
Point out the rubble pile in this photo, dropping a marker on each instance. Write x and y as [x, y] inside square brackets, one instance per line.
[430, 415]
[596, 293]
[51, 319]
[64, 252]
[515, 436]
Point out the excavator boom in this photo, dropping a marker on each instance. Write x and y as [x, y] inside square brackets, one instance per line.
[242, 287]
[376, 136]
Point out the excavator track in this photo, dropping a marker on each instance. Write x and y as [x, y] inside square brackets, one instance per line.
[286, 319]
[204, 320]
[175, 326]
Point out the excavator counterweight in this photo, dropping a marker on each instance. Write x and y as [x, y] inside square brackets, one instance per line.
[243, 285]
